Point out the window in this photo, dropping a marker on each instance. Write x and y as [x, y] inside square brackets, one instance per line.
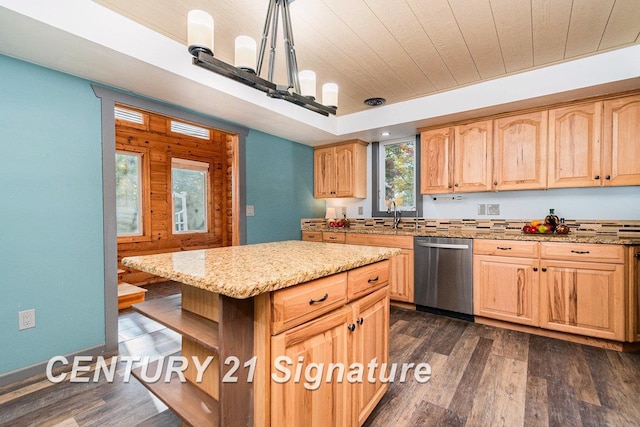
[395, 175]
[190, 130]
[189, 184]
[128, 193]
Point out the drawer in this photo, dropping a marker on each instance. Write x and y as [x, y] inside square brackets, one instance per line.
[583, 252]
[312, 236]
[330, 237]
[364, 280]
[514, 248]
[404, 242]
[298, 304]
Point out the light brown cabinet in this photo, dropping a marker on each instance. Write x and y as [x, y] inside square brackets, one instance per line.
[357, 332]
[340, 170]
[472, 152]
[436, 157]
[505, 280]
[621, 141]
[567, 287]
[633, 260]
[574, 146]
[312, 236]
[457, 159]
[520, 152]
[401, 265]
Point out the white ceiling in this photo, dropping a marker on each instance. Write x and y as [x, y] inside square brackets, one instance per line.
[433, 60]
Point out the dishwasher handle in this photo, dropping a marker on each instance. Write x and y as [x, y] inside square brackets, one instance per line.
[442, 245]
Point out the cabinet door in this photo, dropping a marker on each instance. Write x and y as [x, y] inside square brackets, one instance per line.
[371, 345]
[583, 298]
[506, 289]
[324, 173]
[621, 143]
[520, 152]
[322, 341]
[574, 146]
[345, 174]
[436, 161]
[473, 148]
[401, 276]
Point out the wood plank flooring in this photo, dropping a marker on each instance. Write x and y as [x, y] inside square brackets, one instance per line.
[481, 376]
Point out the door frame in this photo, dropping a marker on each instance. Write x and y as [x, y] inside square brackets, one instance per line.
[109, 97]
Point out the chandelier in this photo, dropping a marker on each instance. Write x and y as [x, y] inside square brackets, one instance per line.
[301, 87]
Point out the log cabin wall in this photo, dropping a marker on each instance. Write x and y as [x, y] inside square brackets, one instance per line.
[158, 145]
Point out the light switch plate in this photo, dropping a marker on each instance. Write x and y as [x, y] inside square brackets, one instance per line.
[250, 210]
[493, 209]
[360, 210]
[482, 209]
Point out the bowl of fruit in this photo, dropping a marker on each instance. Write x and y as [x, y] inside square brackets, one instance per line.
[537, 227]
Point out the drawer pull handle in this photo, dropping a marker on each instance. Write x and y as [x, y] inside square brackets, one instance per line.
[360, 321]
[579, 252]
[351, 327]
[313, 301]
[503, 249]
[375, 279]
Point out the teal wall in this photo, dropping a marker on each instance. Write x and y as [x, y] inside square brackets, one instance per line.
[51, 244]
[279, 179]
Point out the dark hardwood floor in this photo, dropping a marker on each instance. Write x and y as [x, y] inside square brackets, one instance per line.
[481, 376]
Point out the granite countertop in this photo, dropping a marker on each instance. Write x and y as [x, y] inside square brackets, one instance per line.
[249, 270]
[490, 234]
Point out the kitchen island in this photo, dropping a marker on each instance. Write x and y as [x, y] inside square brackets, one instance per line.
[256, 308]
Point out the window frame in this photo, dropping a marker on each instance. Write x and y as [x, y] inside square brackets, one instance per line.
[145, 194]
[191, 161]
[376, 148]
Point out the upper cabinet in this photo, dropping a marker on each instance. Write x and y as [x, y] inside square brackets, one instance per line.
[436, 160]
[473, 148]
[457, 159]
[574, 146]
[520, 152]
[340, 170]
[621, 141]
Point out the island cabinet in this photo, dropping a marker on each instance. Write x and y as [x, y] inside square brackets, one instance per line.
[574, 288]
[281, 343]
[401, 265]
[340, 170]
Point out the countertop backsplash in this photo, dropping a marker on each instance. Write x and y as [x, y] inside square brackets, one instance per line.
[612, 228]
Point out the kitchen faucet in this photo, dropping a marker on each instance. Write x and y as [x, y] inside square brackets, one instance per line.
[396, 214]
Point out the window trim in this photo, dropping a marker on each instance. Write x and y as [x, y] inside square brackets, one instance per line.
[375, 160]
[145, 200]
[191, 163]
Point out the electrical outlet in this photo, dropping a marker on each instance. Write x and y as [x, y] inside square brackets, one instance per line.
[482, 209]
[493, 209]
[26, 319]
[250, 210]
[360, 210]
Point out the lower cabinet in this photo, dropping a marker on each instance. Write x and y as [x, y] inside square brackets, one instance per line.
[506, 288]
[633, 259]
[312, 364]
[583, 298]
[568, 287]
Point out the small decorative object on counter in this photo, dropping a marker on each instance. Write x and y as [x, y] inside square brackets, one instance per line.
[552, 220]
[562, 228]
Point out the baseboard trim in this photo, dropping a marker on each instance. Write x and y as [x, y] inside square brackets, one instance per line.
[579, 339]
[405, 305]
[38, 370]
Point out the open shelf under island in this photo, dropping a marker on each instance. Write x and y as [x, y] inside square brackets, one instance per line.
[273, 315]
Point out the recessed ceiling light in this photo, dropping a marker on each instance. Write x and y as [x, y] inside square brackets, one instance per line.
[374, 102]
[385, 133]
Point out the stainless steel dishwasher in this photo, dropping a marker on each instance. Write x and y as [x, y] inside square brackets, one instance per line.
[444, 276]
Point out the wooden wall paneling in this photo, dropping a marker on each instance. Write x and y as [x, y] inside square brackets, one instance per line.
[162, 145]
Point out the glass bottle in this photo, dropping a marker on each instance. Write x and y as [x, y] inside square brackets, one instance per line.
[552, 220]
[562, 228]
